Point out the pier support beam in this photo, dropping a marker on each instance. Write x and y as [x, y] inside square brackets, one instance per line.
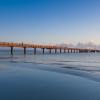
[68, 51]
[71, 50]
[50, 51]
[64, 50]
[60, 50]
[80, 51]
[24, 50]
[43, 50]
[34, 50]
[77, 51]
[55, 50]
[74, 51]
[11, 50]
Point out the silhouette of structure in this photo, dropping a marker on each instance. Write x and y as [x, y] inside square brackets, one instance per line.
[43, 47]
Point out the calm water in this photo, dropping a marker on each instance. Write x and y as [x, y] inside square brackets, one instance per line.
[70, 76]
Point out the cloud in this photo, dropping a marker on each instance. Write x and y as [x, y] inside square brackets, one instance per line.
[89, 45]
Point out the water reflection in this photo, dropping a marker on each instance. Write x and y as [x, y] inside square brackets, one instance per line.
[50, 77]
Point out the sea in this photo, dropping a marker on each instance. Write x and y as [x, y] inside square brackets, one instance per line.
[60, 76]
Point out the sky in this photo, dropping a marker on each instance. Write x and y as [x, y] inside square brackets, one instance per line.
[50, 21]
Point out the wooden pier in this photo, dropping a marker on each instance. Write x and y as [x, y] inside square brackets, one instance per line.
[43, 47]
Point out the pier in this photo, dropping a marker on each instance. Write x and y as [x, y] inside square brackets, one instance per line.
[43, 47]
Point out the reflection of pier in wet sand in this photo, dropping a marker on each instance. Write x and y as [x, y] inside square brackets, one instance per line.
[43, 47]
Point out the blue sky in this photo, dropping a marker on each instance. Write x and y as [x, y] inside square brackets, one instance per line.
[50, 21]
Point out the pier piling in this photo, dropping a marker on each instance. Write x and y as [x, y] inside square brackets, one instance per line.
[64, 50]
[50, 51]
[34, 50]
[43, 50]
[55, 50]
[60, 50]
[11, 50]
[24, 50]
